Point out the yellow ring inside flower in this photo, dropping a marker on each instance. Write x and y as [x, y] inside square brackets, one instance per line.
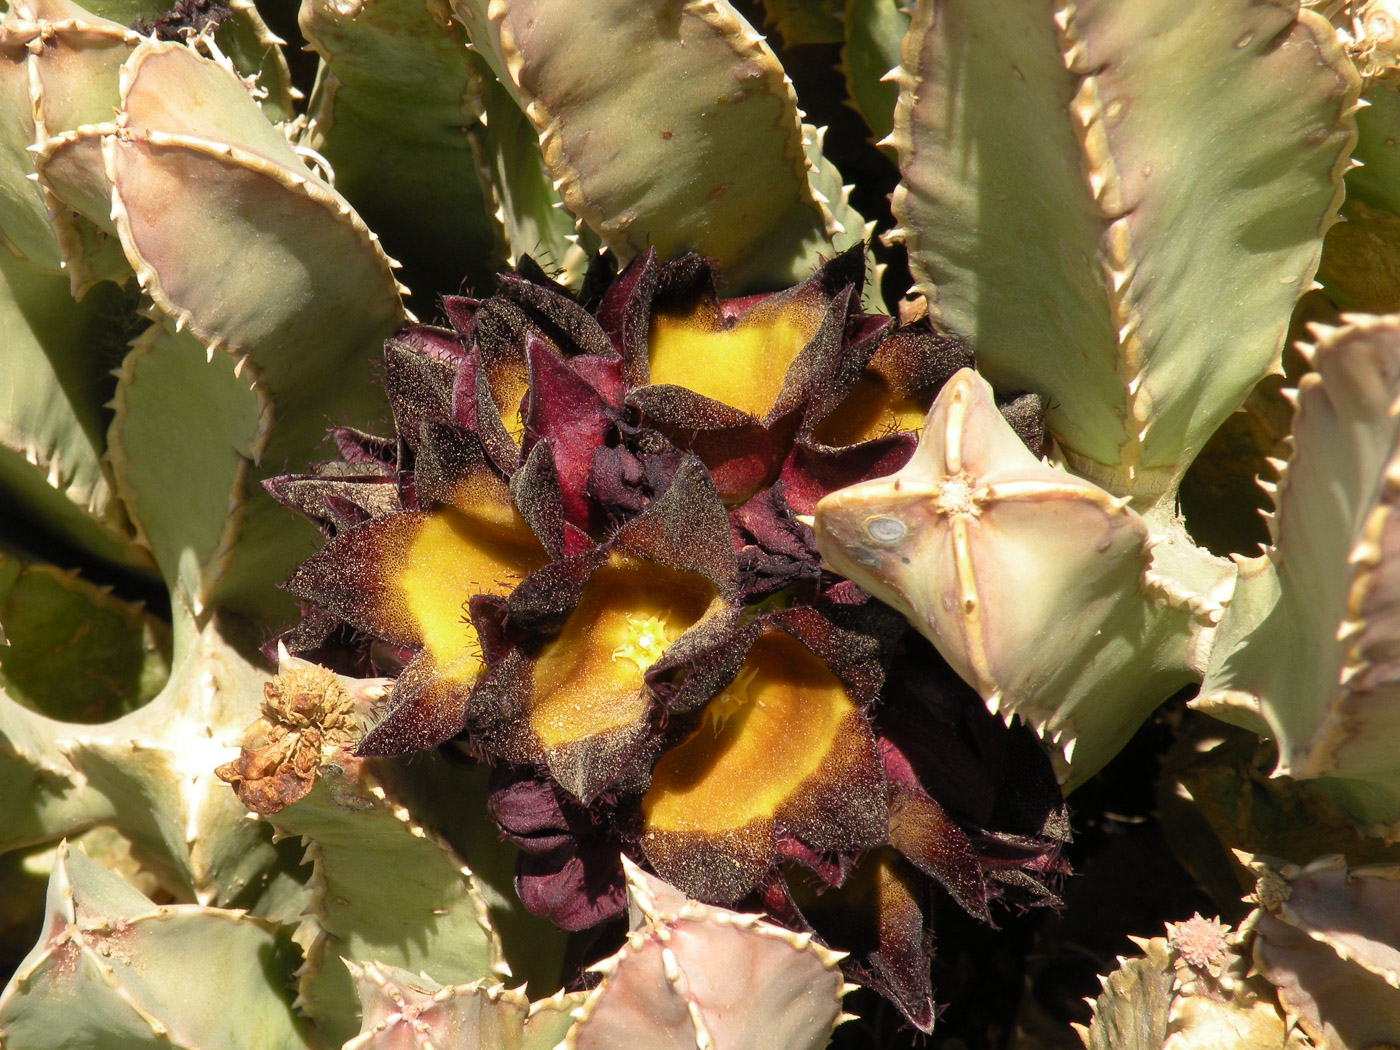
[871, 410]
[588, 680]
[743, 366]
[755, 750]
[452, 556]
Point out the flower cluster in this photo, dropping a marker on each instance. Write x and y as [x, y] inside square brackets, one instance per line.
[583, 557]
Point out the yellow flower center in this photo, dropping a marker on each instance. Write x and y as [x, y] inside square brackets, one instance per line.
[450, 555]
[872, 410]
[787, 719]
[588, 680]
[646, 639]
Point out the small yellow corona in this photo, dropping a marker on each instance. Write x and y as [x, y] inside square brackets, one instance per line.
[647, 638]
[723, 707]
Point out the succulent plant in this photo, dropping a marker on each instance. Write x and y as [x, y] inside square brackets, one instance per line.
[649, 689]
[665, 573]
[1313, 965]
[1135, 385]
[1189, 989]
[713, 963]
[112, 968]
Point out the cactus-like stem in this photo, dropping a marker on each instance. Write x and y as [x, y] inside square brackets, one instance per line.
[1115, 203]
[1189, 991]
[528, 206]
[1360, 267]
[404, 1010]
[805, 21]
[74, 651]
[382, 887]
[180, 177]
[407, 1011]
[1217, 796]
[166, 386]
[58, 70]
[257, 56]
[148, 774]
[214, 209]
[1142, 281]
[296, 349]
[52, 419]
[1306, 645]
[1329, 939]
[845, 225]
[113, 969]
[1131, 1014]
[394, 112]
[1034, 584]
[696, 976]
[874, 31]
[718, 104]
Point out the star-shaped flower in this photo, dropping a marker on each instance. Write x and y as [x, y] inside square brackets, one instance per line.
[584, 548]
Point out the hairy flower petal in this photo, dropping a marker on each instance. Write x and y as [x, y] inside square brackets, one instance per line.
[894, 392]
[929, 840]
[584, 551]
[580, 702]
[743, 364]
[784, 743]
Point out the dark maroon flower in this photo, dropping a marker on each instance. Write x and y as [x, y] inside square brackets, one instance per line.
[584, 553]
[736, 381]
[570, 867]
